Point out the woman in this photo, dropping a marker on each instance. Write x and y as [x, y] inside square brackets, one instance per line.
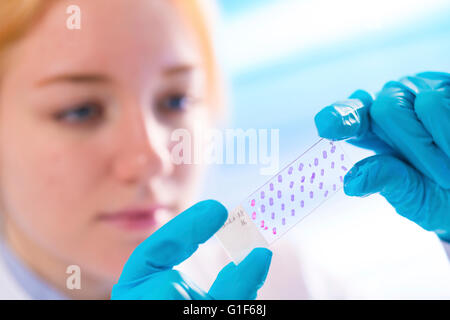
[86, 118]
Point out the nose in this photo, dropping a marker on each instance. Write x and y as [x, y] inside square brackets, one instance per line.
[143, 151]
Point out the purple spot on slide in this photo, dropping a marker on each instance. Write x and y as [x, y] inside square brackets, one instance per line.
[324, 154]
[316, 162]
[253, 203]
[282, 206]
[326, 193]
[271, 186]
[293, 212]
[340, 178]
[333, 149]
[322, 172]
[274, 230]
[302, 179]
[291, 184]
[279, 194]
[254, 215]
[334, 187]
[332, 164]
[321, 185]
[302, 188]
[262, 223]
[290, 170]
[302, 203]
[280, 178]
[283, 221]
[342, 157]
[313, 176]
[262, 194]
[344, 168]
[263, 208]
[292, 197]
[273, 215]
[271, 201]
[311, 194]
[300, 167]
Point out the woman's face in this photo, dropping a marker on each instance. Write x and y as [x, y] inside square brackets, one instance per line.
[86, 118]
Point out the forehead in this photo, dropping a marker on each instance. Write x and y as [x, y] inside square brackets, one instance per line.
[115, 36]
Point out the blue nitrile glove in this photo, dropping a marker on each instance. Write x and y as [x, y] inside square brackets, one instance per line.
[408, 126]
[148, 273]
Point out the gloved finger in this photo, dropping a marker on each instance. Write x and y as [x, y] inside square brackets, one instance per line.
[175, 241]
[394, 120]
[242, 281]
[433, 110]
[350, 119]
[413, 195]
[345, 119]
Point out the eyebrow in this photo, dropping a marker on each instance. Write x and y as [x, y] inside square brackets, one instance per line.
[74, 78]
[98, 78]
[182, 68]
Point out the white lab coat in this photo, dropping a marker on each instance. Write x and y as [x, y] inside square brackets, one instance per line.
[9, 288]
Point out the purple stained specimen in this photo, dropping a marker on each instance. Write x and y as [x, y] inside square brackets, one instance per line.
[313, 176]
[302, 179]
[300, 167]
[342, 157]
[302, 203]
[340, 178]
[334, 187]
[316, 162]
[291, 184]
[332, 164]
[293, 212]
[274, 230]
[254, 215]
[322, 172]
[324, 154]
[283, 221]
[344, 168]
[292, 197]
[333, 149]
[302, 188]
[273, 215]
[282, 206]
[311, 194]
[263, 208]
[321, 185]
[326, 193]
[271, 186]
[279, 194]
[280, 178]
[290, 170]
[271, 201]
[262, 194]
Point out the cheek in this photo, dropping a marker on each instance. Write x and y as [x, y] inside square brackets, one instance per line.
[48, 184]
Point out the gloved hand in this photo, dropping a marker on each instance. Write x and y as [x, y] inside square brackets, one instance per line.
[148, 273]
[408, 126]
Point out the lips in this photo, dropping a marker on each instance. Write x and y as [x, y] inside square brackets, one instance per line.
[132, 219]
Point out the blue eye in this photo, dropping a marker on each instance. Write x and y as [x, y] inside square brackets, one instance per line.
[83, 113]
[176, 102]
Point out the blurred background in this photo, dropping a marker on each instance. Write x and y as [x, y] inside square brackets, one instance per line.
[286, 59]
